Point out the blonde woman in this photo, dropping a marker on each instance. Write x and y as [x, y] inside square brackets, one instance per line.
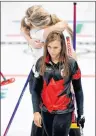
[35, 26]
[38, 23]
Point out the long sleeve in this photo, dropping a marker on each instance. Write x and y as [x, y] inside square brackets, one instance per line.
[76, 81]
[36, 90]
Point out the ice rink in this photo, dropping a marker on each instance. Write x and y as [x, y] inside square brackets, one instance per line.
[16, 62]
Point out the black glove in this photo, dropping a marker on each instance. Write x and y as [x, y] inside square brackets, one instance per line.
[81, 121]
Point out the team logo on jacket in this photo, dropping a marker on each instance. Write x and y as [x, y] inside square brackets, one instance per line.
[62, 72]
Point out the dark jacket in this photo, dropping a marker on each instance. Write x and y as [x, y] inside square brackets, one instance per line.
[61, 101]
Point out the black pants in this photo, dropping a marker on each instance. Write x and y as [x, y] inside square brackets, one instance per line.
[37, 131]
[57, 124]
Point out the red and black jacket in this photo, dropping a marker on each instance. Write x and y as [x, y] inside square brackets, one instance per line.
[54, 92]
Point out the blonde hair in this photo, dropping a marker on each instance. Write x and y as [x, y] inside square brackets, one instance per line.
[37, 16]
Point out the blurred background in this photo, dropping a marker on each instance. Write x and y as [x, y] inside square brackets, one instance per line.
[16, 61]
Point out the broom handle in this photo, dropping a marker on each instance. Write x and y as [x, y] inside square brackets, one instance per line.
[17, 105]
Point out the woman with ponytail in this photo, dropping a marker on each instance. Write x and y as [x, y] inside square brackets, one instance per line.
[35, 27]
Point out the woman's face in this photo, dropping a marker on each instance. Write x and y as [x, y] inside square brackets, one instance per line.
[54, 49]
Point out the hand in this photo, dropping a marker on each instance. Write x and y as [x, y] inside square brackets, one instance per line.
[81, 121]
[37, 119]
[35, 43]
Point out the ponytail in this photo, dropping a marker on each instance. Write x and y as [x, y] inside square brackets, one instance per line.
[69, 30]
[55, 20]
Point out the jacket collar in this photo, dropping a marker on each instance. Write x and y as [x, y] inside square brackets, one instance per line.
[48, 60]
